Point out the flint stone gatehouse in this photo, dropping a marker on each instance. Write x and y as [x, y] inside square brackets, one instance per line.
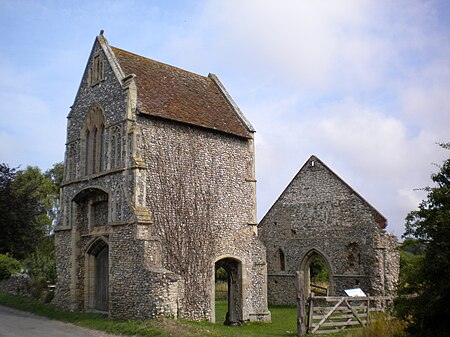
[158, 193]
[318, 215]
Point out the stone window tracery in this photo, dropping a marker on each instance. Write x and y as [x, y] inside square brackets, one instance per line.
[94, 142]
[96, 70]
[116, 147]
[71, 161]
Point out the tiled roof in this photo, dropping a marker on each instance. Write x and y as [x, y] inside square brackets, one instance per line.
[172, 93]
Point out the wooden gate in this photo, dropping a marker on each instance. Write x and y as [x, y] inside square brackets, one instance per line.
[332, 314]
[102, 280]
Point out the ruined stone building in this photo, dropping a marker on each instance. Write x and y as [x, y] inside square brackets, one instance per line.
[158, 193]
[319, 216]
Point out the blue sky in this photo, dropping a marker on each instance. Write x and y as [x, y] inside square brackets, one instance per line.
[364, 85]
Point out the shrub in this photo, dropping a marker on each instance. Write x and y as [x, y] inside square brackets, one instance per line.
[8, 266]
[41, 266]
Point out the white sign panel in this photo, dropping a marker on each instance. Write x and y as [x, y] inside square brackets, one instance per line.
[357, 292]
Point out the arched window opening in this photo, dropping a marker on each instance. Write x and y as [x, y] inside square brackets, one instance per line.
[87, 151]
[94, 139]
[228, 294]
[282, 259]
[96, 71]
[95, 151]
[116, 147]
[102, 148]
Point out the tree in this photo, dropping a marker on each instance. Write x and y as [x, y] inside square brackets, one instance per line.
[428, 308]
[56, 176]
[27, 199]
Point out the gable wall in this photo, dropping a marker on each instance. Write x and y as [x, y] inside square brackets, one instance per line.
[108, 93]
[318, 211]
[134, 291]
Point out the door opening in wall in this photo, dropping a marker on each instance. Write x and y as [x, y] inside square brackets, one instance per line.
[221, 298]
[318, 274]
[102, 280]
[228, 291]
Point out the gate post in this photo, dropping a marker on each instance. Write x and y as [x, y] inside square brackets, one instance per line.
[299, 287]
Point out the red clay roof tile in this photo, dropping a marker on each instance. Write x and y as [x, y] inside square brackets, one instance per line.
[169, 92]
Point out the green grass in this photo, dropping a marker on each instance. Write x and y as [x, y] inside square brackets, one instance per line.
[283, 323]
[156, 327]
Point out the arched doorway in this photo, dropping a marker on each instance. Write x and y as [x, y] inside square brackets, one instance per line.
[318, 273]
[97, 276]
[102, 279]
[233, 269]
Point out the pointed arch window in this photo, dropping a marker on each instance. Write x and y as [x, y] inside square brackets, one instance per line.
[282, 258]
[94, 154]
[102, 149]
[94, 142]
[96, 71]
[87, 151]
[116, 148]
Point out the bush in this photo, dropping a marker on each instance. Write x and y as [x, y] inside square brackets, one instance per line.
[41, 266]
[8, 266]
[221, 275]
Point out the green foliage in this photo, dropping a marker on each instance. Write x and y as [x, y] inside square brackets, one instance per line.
[318, 271]
[56, 176]
[413, 246]
[412, 255]
[382, 327]
[8, 266]
[427, 306]
[41, 263]
[28, 207]
[221, 275]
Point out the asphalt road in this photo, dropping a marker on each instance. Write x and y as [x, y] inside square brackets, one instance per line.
[14, 323]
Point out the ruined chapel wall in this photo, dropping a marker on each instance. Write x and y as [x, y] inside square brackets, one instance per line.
[391, 263]
[200, 193]
[318, 211]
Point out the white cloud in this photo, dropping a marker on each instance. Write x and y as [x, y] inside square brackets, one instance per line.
[362, 84]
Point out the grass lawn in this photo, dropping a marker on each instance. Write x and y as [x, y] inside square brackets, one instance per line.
[283, 322]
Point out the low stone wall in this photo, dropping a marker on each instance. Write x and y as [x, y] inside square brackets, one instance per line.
[18, 284]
